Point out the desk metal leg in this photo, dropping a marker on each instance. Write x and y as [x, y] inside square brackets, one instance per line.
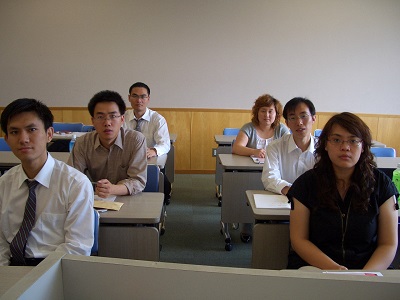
[225, 232]
[234, 207]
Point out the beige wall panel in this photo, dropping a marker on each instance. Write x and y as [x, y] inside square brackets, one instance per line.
[58, 114]
[372, 123]
[77, 116]
[389, 133]
[205, 125]
[179, 123]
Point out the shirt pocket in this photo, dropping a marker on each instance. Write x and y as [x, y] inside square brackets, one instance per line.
[52, 228]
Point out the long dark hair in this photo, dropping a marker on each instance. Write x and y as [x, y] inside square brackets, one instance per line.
[362, 179]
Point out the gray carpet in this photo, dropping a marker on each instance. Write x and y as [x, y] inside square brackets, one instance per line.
[192, 234]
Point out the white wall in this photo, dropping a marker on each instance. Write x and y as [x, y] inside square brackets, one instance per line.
[343, 55]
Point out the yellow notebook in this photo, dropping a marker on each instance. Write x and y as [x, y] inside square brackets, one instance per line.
[107, 205]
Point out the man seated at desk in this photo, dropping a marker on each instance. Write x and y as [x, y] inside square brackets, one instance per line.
[111, 156]
[45, 204]
[291, 155]
[151, 124]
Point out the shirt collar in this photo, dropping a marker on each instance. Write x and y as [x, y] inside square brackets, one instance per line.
[118, 141]
[146, 115]
[44, 175]
[293, 146]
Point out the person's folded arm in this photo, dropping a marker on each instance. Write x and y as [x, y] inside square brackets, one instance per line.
[299, 238]
[239, 147]
[387, 237]
[271, 175]
[161, 138]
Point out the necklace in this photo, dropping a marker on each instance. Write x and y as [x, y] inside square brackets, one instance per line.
[344, 218]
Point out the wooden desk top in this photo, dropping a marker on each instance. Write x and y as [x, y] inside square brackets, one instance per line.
[8, 159]
[264, 214]
[221, 139]
[238, 162]
[10, 276]
[143, 208]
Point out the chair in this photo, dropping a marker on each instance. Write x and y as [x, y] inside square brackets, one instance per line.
[317, 132]
[71, 127]
[231, 131]
[3, 145]
[95, 247]
[87, 128]
[383, 152]
[153, 179]
[153, 186]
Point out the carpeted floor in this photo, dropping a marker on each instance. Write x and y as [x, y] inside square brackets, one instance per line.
[192, 234]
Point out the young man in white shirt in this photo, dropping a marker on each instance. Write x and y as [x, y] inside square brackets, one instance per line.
[59, 208]
[151, 124]
[290, 156]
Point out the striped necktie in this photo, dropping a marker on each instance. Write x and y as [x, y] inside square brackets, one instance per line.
[138, 125]
[18, 244]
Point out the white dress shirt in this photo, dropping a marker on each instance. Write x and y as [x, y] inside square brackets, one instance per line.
[64, 211]
[154, 128]
[284, 162]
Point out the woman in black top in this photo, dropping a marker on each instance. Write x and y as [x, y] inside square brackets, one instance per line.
[343, 210]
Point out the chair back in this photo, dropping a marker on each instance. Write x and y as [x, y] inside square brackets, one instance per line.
[87, 128]
[71, 127]
[317, 132]
[3, 145]
[153, 179]
[231, 131]
[95, 247]
[383, 152]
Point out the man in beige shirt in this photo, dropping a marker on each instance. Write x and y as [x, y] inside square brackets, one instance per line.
[114, 158]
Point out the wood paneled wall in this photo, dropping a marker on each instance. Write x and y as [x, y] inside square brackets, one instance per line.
[196, 129]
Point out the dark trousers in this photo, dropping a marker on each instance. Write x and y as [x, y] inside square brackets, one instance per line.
[28, 262]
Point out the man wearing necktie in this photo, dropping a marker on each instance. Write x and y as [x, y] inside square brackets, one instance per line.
[45, 205]
[151, 124]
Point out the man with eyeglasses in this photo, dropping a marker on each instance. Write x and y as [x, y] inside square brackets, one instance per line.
[151, 124]
[291, 155]
[114, 158]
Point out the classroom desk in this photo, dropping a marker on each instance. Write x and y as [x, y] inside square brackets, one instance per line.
[133, 231]
[239, 174]
[9, 276]
[270, 247]
[224, 147]
[65, 276]
[9, 160]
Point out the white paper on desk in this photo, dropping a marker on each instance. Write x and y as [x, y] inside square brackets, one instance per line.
[271, 201]
[110, 198]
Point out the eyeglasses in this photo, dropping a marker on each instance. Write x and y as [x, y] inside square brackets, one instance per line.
[102, 118]
[351, 143]
[143, 97]
[302, 117]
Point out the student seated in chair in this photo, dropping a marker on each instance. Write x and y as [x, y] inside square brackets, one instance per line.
[151, 124]
[290, 156]
[344, 210]
[254, 137]
[111, 156]
[45, 204]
